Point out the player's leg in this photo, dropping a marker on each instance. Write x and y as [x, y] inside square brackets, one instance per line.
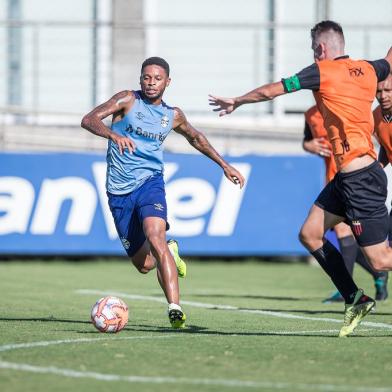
[379, 255]
[155, 232]
[152, 212]
[367, 213]
[151, 201]
[352, 253]
[349, 250]
[381, 281]
[371, 235]
[364, 193]
[380, 277]
[130, 231]
[328, 211]
[143, 259]
[329, 258]
[347, 244]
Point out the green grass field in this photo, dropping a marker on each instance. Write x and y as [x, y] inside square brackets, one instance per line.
[268, 331]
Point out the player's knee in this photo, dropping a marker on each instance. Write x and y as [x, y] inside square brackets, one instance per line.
[379, 265]
[310, 237]
[143, 270]
[144, 266]
[304, 236]
[381, 260]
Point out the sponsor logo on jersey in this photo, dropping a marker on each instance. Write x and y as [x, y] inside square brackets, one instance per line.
[148, 135]
[357, 71]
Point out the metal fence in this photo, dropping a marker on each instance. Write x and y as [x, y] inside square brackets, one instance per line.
[54, 71]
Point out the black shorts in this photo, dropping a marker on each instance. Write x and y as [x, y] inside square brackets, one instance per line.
[359, 196]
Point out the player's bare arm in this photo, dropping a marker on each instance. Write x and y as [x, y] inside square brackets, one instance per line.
[260, 94]
[200, 142]
[317, 146]
[117, 106]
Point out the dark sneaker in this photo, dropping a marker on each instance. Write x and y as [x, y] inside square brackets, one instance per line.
[355, 312]
[335, 297]
[176, 316]
[381, 285]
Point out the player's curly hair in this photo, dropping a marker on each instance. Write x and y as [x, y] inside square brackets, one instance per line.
[326, 25]
[156, 61]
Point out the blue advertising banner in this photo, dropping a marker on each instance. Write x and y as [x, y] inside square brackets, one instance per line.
[55, 204]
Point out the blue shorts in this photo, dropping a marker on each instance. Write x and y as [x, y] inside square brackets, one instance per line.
[129, 211]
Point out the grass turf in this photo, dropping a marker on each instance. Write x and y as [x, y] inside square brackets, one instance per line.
[220, 350]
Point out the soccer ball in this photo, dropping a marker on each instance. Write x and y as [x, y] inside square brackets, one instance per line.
[109, 314]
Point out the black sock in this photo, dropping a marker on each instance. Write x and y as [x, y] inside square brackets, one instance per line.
[331, 261]
[349, 250]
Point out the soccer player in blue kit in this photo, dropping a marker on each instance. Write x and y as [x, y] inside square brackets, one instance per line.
[141, 121]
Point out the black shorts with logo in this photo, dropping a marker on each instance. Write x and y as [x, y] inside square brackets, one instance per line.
[360, 197]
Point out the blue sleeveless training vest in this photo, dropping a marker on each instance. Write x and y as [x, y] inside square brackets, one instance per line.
[147, 125]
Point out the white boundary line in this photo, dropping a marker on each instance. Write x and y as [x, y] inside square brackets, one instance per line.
[46, 343]
[189, 381]
[229, 307]
[182, 380]
[168, 380]
[9, 347]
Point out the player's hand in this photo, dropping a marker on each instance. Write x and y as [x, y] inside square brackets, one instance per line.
[123, 143]
[319, 146]
[234, 176]
[224, 105]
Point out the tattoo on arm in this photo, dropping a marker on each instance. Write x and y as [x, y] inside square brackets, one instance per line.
[93, 120]
[196, 138]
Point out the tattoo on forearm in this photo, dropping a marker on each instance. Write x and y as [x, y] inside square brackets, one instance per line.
[96, 126]
[201, 143]
[93, 121]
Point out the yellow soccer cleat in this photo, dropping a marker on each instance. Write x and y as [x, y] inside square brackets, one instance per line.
[181, 266]
[355, 312]
[176, 316]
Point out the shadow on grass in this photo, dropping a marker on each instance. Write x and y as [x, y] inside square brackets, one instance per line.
[267, 297]
[197, 330]
[310, 312]
[189, 330]
[44, 319]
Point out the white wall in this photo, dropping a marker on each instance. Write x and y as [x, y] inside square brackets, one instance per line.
[3, 54]
[213, 46]
[208, 59]
[223, 60]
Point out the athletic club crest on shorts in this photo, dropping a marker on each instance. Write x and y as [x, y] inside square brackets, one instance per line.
[164, 121]
[356, 227]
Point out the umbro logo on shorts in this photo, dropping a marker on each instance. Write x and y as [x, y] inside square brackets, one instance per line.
[159, 206]
[125, 243]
